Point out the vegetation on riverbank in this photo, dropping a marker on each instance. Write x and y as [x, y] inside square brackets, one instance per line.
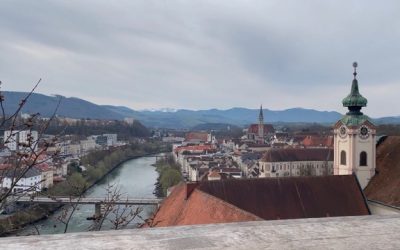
[169, 175]
[98, 164]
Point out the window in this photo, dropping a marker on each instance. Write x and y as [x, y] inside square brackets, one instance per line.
[363, 158]
[343, 157]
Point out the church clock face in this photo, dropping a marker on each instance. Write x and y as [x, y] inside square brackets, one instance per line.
[364, 132]
[342, 131]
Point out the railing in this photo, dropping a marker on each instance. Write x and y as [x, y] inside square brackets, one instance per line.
[86, 200]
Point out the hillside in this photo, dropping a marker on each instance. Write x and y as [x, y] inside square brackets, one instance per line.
[70, 107]
[236, 116]
[77, 108]
[385, 185]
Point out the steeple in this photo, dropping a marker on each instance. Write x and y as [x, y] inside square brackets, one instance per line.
[261, 126]
[354, 101]
[354, 138]
[261, 115]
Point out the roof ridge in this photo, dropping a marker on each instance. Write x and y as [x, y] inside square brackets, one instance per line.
[228, 204]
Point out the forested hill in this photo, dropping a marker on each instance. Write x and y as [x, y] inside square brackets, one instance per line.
[78, 108]
[70, 107]
[86, 127]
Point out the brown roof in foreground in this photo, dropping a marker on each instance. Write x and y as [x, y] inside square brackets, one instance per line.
[298, 154]
[385, 185]
[235, 200]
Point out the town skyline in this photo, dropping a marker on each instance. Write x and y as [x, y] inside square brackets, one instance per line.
[185, 55]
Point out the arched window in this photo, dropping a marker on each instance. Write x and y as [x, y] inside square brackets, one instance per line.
[363, 158]
[343, 157]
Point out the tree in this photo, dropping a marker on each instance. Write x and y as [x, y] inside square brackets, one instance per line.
[24, 138]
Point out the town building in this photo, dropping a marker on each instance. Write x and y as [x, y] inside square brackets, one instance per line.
[198, 137]
[18, 140]
[112, 139]
[280, 162]
[47, 174]
[30, 182]
[101, 140]
[317, 141]
[87, 146]
[354, 138]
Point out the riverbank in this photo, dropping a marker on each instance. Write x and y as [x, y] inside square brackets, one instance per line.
[102, 163]
[169, 175]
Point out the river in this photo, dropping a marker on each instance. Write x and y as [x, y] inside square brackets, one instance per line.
[135, 178]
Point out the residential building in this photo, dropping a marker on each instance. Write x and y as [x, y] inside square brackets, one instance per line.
[46, 175]
[102, 140]
[112, 139]
[73, 150]
[18, 140]
[317, 141]
[87, 146]
[198, 137]
[29, 183]
[296, 162]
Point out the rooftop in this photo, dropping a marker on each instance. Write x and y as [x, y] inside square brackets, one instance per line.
[359, 232]
[234, 200]
[384, 186]
[298, 154]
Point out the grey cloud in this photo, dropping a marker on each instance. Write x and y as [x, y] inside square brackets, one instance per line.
[203, 54]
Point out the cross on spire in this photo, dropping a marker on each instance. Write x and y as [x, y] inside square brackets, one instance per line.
[355, 64]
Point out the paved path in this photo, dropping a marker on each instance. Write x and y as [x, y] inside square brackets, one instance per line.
[361, 232]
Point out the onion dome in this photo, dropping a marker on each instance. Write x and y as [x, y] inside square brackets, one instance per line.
[354, 101]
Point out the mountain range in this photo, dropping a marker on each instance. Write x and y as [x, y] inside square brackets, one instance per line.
[78, 108]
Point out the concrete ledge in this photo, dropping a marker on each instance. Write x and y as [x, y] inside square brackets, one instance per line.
[361, 232]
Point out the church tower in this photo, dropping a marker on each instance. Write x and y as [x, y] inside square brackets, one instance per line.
[354, 138]
[261, 125]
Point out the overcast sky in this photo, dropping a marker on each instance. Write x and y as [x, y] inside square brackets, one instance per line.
[204, 54]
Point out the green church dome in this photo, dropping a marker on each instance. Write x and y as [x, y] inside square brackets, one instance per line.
[354, 99]
[354, 102]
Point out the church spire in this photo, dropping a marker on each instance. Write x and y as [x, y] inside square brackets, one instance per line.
[261, 115]
[354, 101]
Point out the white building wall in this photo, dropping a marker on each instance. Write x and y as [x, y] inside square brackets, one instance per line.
[296, 168]
[353, 145]
[12, 139]
[28, 185]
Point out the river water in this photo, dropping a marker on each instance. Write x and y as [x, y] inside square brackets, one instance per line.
[135, 178]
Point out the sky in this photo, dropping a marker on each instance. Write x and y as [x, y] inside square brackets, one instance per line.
[204, 54]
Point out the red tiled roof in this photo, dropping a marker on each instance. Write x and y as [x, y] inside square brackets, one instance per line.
[198, 208]
[5, 166]
[263, 198]
[43, 167]
[318, 141]
[202, 136]
[292, 197]
[195, 148]
[385, 185]
[268, 128]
